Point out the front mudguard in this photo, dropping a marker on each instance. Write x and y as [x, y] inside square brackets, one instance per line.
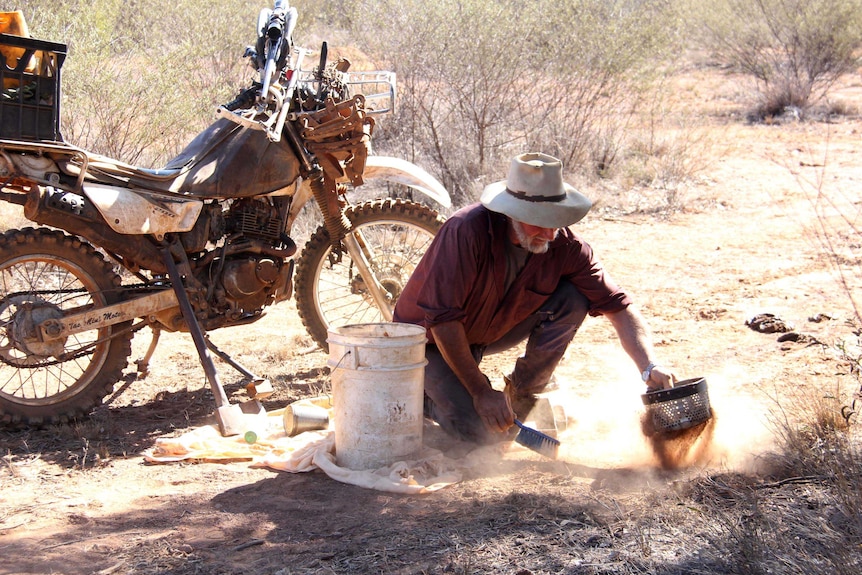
[403, 172]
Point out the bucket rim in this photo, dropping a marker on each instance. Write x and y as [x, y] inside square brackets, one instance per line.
[341, 331]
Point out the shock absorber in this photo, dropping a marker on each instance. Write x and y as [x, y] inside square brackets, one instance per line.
[334, 219]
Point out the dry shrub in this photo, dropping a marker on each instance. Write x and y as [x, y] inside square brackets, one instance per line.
[817, 443]
[796, 525]
[478, 81]
[483, 81]
[841, 108]
[806, 421]
[850, 361]
[661, 167]
[794, 50]
[802, 511]
[141, 79]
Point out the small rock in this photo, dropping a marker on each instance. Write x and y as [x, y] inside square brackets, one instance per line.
[768, 323]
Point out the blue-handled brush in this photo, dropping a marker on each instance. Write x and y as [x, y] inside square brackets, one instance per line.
[537, 441]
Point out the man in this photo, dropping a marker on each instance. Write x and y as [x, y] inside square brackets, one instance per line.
[502, 271]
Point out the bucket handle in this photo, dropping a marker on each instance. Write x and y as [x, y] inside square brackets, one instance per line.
[354, 363]
[354, 359]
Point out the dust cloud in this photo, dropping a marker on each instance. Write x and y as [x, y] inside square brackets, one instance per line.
[606, 424]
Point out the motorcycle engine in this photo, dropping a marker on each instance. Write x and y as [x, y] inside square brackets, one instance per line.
[255, 268]
[248, 281]
[255, 219]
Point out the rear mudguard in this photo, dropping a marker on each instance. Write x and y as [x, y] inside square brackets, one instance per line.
[404, 172]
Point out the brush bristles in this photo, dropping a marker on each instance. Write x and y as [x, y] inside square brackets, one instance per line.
[537, 441]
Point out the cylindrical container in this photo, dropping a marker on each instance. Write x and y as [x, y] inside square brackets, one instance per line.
[299, 417]
[378, 373]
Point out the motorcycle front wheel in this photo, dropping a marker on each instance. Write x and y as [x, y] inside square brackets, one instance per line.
[44, 274]
[330, 291]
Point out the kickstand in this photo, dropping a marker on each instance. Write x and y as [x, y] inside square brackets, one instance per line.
[229, 416]
[259, 388]
[143, 364]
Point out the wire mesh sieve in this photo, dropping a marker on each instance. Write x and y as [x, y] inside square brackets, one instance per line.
[680, 407]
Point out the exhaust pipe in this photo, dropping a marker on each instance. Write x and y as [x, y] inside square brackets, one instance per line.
[53, 208]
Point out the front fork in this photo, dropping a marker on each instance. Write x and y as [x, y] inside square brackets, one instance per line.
[342, 233]
[361, 254]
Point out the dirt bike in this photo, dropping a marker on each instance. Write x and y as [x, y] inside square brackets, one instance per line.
[202, 243]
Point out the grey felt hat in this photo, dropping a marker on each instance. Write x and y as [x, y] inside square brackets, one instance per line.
[534, 193]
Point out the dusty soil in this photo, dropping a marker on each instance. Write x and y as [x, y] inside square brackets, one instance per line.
[80, 499]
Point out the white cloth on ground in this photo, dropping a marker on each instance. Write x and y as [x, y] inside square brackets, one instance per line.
[307, 451]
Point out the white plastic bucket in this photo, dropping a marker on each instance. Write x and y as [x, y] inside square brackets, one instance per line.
[378, 373]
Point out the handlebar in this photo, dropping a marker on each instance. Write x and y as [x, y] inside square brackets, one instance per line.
[272, 98]
[245, 99]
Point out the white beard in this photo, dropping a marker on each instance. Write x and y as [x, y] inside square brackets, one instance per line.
[532, 245]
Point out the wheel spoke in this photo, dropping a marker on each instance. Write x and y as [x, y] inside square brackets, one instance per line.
[11, 378]
[45, 275]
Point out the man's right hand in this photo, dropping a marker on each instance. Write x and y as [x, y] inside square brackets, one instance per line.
[491, 406]
[494, 409]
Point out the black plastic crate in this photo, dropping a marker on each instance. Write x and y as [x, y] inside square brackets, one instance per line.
[30, 83]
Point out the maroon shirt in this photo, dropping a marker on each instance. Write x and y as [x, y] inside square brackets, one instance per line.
[462, 278]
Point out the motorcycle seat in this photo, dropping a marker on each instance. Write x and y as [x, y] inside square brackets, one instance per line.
[158, 174]
[116, 168]
[102, 168]
[223, 161]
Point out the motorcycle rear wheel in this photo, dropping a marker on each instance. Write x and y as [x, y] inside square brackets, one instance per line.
[329, 290]
[43, 274]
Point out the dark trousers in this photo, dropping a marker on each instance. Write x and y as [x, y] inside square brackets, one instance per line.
[548, 332]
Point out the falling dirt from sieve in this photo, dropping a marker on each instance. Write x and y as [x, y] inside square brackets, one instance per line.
[680, 448]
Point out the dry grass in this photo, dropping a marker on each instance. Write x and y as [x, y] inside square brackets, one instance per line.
[798, 514]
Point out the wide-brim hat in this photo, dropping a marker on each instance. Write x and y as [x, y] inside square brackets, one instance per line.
[534, 193]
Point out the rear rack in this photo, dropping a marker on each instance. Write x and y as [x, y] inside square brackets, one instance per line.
[378, 88]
